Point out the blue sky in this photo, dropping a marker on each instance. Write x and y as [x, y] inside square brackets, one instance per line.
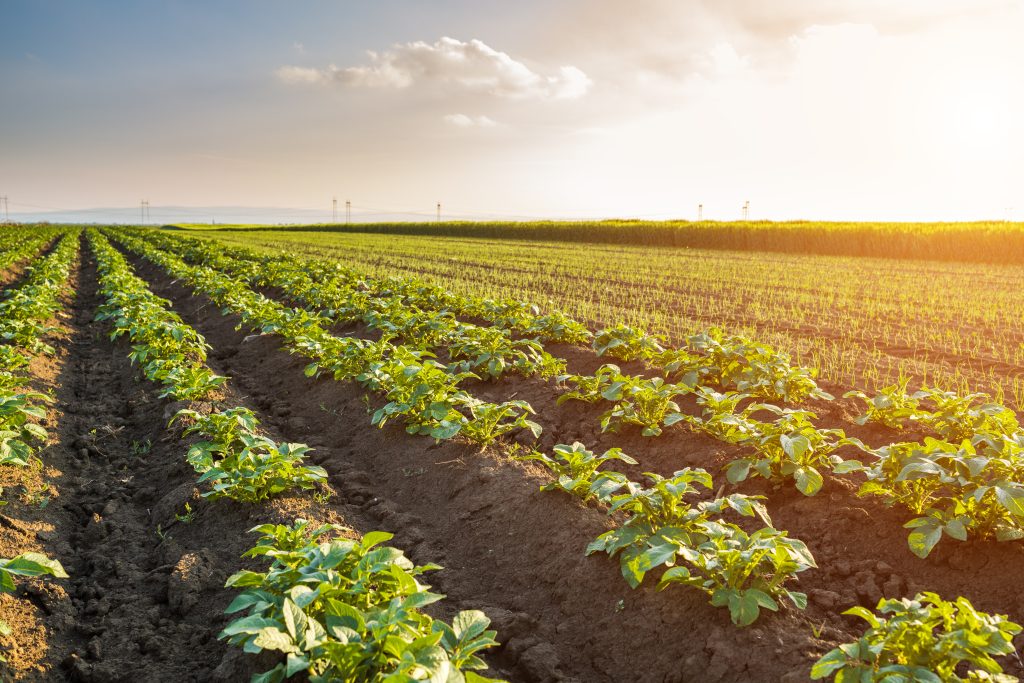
[566, 108]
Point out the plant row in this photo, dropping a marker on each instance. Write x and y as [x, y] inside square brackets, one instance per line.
[335, 608]
[25, 314]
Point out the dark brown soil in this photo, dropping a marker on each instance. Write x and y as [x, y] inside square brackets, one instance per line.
[518, 553]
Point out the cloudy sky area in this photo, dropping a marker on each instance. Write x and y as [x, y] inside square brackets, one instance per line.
[819, 109]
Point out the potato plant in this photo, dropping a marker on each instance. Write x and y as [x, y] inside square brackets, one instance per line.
[626, 343]
[339, 609]
[239, 463]
[647, 403]
[957, 490]
[787, 448]
[576, 470]
[923, 639]
[741, 571]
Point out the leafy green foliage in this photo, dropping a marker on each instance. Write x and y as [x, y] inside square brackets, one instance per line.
[576, 469]
[958, 490]
[490, 421]
[626, 343]
[240, 464]
[953, 417]
[922, 639]
[789, 447]
[17, 431]
[342, 609]
[741, 571]
[647, 403]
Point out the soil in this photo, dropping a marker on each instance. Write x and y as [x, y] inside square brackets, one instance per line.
[145, 599]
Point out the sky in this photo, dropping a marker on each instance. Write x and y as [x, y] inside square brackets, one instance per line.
[230, 110]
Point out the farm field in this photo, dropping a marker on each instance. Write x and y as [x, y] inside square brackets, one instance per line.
[592, 502]
[863, 322]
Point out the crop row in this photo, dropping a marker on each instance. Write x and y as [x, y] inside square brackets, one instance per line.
[337, 609]
[25, 312]
[19, 243]
[641, 541]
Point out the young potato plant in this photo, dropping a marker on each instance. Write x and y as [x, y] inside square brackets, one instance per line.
[637, 400]
[419, 390]
[576, 469]
[491, 352]
[790, 447]
[262, 468]
[644, 402]
[953, 417]
[346, 358]
[626, 343]
[349, 610]
[489, 421]
[17, 430]
[747, 366]
[240, 464]
[741, 571]
[958, 417]
[589, 388]
[923, 639]
[957, 490]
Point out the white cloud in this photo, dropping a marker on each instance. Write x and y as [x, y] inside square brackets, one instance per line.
[464, 121]
[471, 66]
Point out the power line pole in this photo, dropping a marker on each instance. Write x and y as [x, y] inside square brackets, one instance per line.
[348, 212]
[700, 212]
[7, 216]
[334, 210]
[439, 212]
[144, 210]
[746, 210]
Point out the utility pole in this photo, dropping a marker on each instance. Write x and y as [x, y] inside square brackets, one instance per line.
[439, 212]
[746, 210]
[7, 216]
[144, 210]
[348, 212]
[700, 212]
[334, 210]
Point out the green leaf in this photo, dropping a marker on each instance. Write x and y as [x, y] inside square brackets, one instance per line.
[738, 470]
[808, 480]
[924, 536]
[1012, 499]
